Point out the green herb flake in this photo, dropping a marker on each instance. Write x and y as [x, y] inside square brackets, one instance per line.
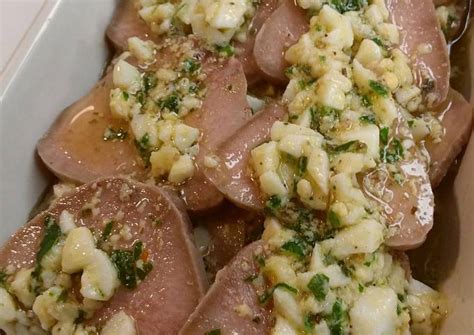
[107, 231]
[378, 41]
[111, 134]
[171, 103]
[124, 262]
[297, 247]
[304, 84]
[411, 123]
[125, 95]
[137, 250]
[144, 270]
[309, 323]
[343, 6]
[351, 146]
[393, 152]
[143, 146]
[365, 101]
[302, 165]
[63, 296]
[213, 332]
[384, 135]
[269, 293]
[338, 319]
[333, 219]
[273, 204]
[191, 65]
[361, 288]
[225, 50]
[149, 81]
[51, 237]
[319, 286]
[378, 88]
[368, 118]
[140, 96]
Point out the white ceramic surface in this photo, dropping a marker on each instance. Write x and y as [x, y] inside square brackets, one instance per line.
[16, 17]
[58, 63]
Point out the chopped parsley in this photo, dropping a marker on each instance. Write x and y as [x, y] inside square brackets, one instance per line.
[140, 96]
[191, 65]
[225, 50]
[143, 146]
[367, 118]
[393, 152]
[302, 165]
[338, 319]
[149, 81]
[319, 286]
[125, 95]
[378, 41]
[269, 293]
[309, 323]
[333, 219]
[378, 88]
[273, 204]
[304, 84]
[213, 332]
[111, 134]
[297, 247]
[51, 237]
[343, 6]
[365, 100]
[171, 103]
[107, 231]
[351, 146]
[384, 135]
[318, 113]
[125, 262]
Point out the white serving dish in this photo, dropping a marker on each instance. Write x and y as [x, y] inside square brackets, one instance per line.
[64, 54]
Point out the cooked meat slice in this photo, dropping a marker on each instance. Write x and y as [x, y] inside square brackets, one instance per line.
[127, 23]
[419, 28]
[229, 229]
[74, 147]
[232, 175]
[282, 29]
[244, 50]
[231, 304]
[407, 205]
[162, 302]
[224, 111]
[456, 118]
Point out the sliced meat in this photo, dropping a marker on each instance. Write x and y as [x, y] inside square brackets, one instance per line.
[456, 118]
[281, 30]
[219, 309]
[408, 206]
[245, 49]
[168, 295]
[127, 23]
[230, 228]
[224, 111]
[419, 26]
[232, 176]
[74, 148]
